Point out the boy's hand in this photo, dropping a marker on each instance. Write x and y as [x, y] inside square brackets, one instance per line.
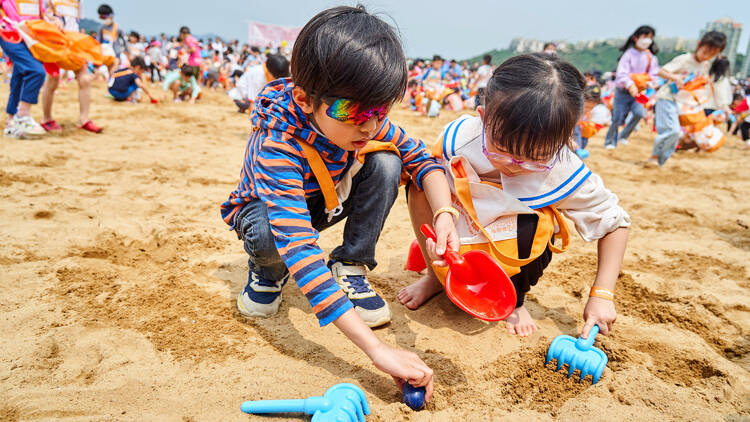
[447, 237]
[404, 367]
[600, 312]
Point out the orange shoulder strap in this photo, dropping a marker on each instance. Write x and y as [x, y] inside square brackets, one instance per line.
[463, 193]
[648, 66]
[322, 175]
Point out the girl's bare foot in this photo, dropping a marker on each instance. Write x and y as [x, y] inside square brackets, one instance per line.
[414, 295]
[520, 322]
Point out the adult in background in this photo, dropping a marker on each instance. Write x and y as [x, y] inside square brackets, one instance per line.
[637, 65]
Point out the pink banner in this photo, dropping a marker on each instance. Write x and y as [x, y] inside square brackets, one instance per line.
[261, 34]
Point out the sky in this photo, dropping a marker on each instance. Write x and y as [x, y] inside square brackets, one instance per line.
[445, 27]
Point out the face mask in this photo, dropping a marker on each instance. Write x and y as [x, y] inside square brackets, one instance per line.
[643, 43]
[551, 52]
[107, 21]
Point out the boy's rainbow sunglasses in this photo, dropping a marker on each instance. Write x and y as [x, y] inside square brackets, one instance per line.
[505, 159]
[348, 111]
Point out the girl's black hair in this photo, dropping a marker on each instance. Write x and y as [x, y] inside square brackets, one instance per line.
[532, 104]
[719, 68]
[713, 39]
[349, 53]
[641, 30]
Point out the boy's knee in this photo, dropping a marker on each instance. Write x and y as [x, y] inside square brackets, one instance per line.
[385, 165]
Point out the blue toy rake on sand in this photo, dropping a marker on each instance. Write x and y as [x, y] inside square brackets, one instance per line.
[341, 403]
[578, 354]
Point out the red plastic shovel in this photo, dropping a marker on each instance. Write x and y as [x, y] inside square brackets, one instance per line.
[476, 283]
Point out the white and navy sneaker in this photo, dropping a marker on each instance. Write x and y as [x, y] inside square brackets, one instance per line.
[367, 302]
[261, 297]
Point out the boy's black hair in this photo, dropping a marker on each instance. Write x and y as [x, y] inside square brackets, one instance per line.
[719, 67]
[737, 97]
[138, 62]
[277, 65]
[187, 70]
[104, 10]
[349, 53]
[532, 104]
[437, 57]
[641, 30]
[184, 30]
[255, 49]
[134, 34]
[713, 39]
[592, 93]
[487, 59]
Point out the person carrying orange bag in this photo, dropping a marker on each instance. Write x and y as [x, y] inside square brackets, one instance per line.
[28, 73]
[80, 49]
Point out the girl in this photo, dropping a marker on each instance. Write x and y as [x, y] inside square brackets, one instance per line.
[638, 64]
[719, 88]
[516, 156]
[694, 65]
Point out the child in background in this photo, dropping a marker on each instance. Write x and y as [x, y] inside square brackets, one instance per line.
[719, 90]
[667, 117]
[255, 78]
[595, 116]
[322, 150]
[110, 36]
[28, 75]
[124, 84]
[637, 66]
[517, 154]
[183, 85]
[192, 48]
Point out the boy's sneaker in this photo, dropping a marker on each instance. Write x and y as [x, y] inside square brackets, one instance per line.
[13, 131]
[623, 141]
[367, 302]
[609, 147]
[261, 297]
[28, 126]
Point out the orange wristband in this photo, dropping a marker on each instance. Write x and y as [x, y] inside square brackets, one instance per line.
[602, 293]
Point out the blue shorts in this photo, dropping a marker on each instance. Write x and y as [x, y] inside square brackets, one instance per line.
[123, 95]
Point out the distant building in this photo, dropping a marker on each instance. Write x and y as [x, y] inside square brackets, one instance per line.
[732, 30]
[746, 65]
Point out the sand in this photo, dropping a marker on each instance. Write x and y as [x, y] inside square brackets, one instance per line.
[118, 280]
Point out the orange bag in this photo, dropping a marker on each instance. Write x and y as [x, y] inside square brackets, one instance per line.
[46, 41]
[82, 49]
[641, 80]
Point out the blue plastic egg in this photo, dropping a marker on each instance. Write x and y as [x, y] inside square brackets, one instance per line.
[413, 396]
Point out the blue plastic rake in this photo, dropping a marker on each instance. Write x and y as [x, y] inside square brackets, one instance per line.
[341, 403]
[578, 354]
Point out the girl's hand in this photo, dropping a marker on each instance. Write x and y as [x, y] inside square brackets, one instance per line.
[403, 366]
[600, 312]
[447, 237]
[677, 79]
[633, 90]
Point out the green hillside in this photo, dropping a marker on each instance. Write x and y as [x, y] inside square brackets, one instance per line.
[603, 57]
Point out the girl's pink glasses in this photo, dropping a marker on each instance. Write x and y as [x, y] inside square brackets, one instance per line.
[506, 159]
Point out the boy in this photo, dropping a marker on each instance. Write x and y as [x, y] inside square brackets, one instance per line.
[595, 116]
[667, 120]
[125, 83]
[111, 38]
[183, 85]
[255, 78]
[309, 134]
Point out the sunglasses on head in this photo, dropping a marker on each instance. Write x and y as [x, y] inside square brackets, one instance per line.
[352, 112]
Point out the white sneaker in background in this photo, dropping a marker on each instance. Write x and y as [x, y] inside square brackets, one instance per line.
[610, 147]
[623, 141]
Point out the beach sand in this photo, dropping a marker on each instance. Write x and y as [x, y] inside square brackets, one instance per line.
[118, 283]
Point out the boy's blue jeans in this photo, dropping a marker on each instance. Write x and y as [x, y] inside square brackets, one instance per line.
[668, 126]
[28, 75]
[374, 190]
[624, 103]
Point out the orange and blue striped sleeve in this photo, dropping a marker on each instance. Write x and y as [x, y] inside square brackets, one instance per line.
[279, 181]
[415, 156]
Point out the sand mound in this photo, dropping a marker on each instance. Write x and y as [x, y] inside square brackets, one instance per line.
[119, 278]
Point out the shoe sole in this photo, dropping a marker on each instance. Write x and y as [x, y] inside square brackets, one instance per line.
[251, 314]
